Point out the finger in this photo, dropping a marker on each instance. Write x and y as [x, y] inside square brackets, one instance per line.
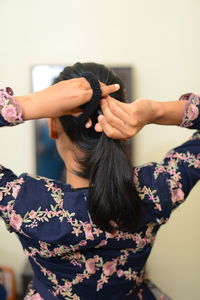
[109, 130]
[88, 124]
[102, 84]
[120, 103]
[122, 125]
[120, 110]
[109, 116]
[109, 89]
[98, 127]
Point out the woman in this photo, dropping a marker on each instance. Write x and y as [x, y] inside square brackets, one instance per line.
[90, 238]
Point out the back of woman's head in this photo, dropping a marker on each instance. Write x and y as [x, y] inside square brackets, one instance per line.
[113, 200]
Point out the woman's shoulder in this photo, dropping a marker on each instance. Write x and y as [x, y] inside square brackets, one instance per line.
[39, 191]
[43, 181]
[47, 205]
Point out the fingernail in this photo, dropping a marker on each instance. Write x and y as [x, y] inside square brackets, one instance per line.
[100, 118]
[87, 125]
[117, 86]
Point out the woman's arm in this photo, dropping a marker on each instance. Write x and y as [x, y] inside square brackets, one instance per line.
[61, 98]
[180, 170]
[164, 186]
[124, 120]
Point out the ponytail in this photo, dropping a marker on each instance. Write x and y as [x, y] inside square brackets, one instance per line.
[113, 200]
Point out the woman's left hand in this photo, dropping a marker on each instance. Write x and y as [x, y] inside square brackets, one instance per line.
[124, 120]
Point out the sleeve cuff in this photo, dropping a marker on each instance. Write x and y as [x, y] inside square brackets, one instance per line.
[191, 118]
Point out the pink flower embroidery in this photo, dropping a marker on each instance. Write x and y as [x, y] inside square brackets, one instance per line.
[9, 113]
[68, 285]
[109, 268]
[88, 232]
[192, 112]
[43, 245]
[16, 221]
[90, 266]
[177, 195]
[32, 214]
[2, 101]
[197, 163]
[82, 243]
[9, 208]
[2, 208]
[103, 243]
[15, 192]
[96, 258]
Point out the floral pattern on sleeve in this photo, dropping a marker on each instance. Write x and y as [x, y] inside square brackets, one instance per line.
[146, 191]
[175, 180]
[8, 196]
[191, 112]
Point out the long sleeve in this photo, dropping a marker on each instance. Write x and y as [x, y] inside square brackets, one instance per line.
[10, 186]
[182, 168]
[183, 162]
[164, 186]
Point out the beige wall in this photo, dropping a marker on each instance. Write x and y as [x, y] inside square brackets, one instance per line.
[160, 39]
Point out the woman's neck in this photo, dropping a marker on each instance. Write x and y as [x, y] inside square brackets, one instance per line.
[72, 165]
[76, 181]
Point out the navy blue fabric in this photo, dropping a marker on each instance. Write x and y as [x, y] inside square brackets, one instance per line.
[70, 257]
[3, 294]
[3, 122]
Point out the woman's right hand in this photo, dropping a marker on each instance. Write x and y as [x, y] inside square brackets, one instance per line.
[59, 99]
[123, 120]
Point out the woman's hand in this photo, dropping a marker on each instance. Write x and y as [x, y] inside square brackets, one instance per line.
[123, 120]
[59, 99]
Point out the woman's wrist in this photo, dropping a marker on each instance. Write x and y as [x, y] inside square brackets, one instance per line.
[157, 112]
[27, 104]
[10, 109]
[147, 111]
[37, 105]
[168, 113]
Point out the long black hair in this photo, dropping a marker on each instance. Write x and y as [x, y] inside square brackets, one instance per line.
[113, 200]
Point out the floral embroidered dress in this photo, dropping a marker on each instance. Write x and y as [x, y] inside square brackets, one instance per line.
[73, 259]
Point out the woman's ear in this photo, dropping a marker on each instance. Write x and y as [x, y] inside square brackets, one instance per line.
[53, 130]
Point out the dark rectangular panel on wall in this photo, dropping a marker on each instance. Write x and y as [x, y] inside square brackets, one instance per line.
[48, 162]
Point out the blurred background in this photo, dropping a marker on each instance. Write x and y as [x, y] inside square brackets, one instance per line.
[160, 40]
